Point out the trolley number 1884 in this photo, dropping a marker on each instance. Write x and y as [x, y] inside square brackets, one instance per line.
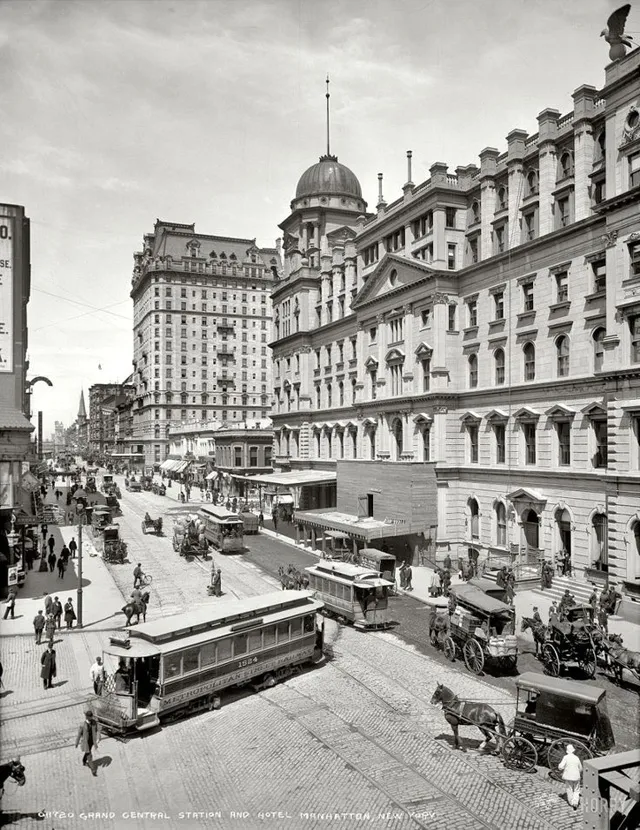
[247, 662]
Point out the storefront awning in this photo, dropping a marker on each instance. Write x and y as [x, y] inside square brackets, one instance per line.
[212, 475]
[298, 478]
[182, 466]
[364, 529]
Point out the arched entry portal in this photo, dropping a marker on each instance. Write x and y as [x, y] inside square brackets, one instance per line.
[563, 523]
[531, 529]
[634, 552]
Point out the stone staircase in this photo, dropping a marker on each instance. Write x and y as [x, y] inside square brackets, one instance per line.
[580, 590]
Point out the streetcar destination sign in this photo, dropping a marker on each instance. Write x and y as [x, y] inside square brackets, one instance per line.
[6, 294]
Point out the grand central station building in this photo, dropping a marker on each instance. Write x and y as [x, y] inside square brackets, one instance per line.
[460, 371]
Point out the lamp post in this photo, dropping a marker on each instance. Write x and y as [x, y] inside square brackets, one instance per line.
[81, 518]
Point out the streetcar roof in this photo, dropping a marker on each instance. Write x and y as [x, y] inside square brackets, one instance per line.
[344, 570]
[534, 682]
[138, 648]
[220, 514]
[373, 583]
[225, 611]
[376, 555]
[474, 597]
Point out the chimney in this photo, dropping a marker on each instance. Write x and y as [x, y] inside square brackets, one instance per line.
[381, 202]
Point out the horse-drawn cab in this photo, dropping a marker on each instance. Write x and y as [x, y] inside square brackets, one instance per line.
[100, 518]
[115, 550]
[488, 587]
[159, 489]
[150, 525]
[570, 641]
[114, 505]
[555, 712]
[132, 668]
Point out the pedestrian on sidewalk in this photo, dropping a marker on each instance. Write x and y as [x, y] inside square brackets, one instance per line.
[408, 576]
[447, 562]
[56, 612]
[60, 568]
[73, 547]
[434, 587]
[28, 558]
[446, 582]
[97, 675]
[38, 626]
[571, 768]
[274, 518]
[11, 604]
[44, 530]
[260, 520]
[51, 559]
[401, 575]
[48, 670]
[88, 738]
[50, 628]
[65, 555]
[217, 583]
[69, 613]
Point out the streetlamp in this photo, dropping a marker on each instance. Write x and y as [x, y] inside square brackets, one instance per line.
[81, 521]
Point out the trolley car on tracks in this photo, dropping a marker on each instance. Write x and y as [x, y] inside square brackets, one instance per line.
[222, 528]
[179, 665]
[552, 713]
[352, 593]
[482, 629]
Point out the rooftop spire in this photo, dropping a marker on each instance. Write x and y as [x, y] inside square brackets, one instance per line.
[328, 95]
[82, 412]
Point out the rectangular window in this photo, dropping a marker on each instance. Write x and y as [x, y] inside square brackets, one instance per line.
[562, 287]
[450, 217]
[472, 429]
[372, 334]
[498, 239]
[451, 324]
[499, 431]
[472, 313]
[634, 170]
[426, 374]
[599, 276]
[634, 326]
[498, 305]
[527, 296]
[253, 456]
[600, 433]
[237, 456]
[564, 443]
[473, 250]
[451, 256]
[562, 212]
[634, 256]
[529, 432]
[529, 226]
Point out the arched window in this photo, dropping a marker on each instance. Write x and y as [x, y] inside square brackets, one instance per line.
[318, 398]
[566, 165]
[502, 198]
[353, 391]
[329, 396]
[529, 353]
[563, 523]
[475, 212]
[340, 437]
[598, 349]
[501, 525]
[341, 393]
[473, 371]
[498, 359]
[562, 356]
[354, 443]
[372, 443]
[531, 528]
[426, 442]
[318, 446]
[397, 432]
[532, 182]
[599, 548]
[474, 516]
[635, 550]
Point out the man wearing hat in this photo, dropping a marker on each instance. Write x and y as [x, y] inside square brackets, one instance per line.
[536, 615]
[571, 769]
[88, 736]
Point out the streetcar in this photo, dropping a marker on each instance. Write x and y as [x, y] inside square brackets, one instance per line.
[179, 665]
[352, 593]
[222, 528]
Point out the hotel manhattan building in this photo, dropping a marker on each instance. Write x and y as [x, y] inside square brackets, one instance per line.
[201, 325]
[480, 333]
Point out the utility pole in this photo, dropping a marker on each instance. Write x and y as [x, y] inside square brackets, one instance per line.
[79, 602]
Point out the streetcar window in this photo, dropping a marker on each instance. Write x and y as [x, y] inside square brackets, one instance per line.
[333, 589]
[224, 650]
[255, 640]
[269, 635]
[190, 660]
[171, 666]
[239, 644]
[296, 627]
[309, 623]
[283, 631]
[207, 654]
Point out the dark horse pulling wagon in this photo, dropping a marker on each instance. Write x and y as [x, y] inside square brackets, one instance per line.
[570, 641]
[150, 525]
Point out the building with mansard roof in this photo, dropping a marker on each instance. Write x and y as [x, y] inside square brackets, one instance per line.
[202, 316]
[467, 358]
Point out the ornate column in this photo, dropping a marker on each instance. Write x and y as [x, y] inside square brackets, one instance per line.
[515, 154]
[548, 168]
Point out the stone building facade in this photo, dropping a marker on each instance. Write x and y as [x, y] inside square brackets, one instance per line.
[488, 322]
[202, 319]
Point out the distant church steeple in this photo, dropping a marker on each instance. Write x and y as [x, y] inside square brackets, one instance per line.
[82, 412]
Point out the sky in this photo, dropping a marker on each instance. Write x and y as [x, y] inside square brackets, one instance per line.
[114, 113]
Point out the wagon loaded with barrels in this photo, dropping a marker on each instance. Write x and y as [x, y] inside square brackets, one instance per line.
[481, 630]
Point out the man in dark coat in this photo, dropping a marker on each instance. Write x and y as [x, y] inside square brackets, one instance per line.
[51, 542]
[48, 662]
[69, 613]
[88, 738]
[447, 562]
[51, 559]
[73, 547]
[11, 605]
[501, 577]
[217, 583]
[56, 611]
[65, 555]
[408, 576]
[60, 567]
[38, 626]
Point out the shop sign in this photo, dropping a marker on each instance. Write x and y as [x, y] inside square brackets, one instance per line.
[13, 576]
[6, 294]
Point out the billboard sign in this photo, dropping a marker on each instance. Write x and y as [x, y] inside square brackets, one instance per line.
[6, 293]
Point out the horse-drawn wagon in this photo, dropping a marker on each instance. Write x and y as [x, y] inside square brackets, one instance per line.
[158, 489]
[570, 641]
[150, 525]
[482, 629]
[115, 550]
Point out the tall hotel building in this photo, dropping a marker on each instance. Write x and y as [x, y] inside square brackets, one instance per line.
[479, 335]
[201, 325]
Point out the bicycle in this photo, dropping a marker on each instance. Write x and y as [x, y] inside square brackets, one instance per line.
[145, 580]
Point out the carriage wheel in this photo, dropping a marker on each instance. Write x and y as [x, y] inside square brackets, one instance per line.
[449, 648]
[551, 660]
[473, 656]
[587, 662]
[433, 637]
[558, 750]
[519, 753]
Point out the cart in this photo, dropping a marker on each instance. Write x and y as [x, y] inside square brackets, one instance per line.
[570, 641]
[158, 489]
[150, 525]
[249, 522]
[100, 518]
[552, 713]
[482, 629]
[115, 550]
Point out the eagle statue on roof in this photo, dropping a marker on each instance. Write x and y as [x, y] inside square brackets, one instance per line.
[614, 34]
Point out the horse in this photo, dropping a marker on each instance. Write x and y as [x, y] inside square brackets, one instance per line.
[470, 713]
[286, 579]
[13, 769]
[538, 629]
[621, 657]
[136, 608]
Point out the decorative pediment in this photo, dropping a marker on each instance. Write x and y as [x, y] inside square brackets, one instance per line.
[471, 417]
[595, 409]
[628, 406]
[370, 364]
[369, 422]
[395, 356]
[289, 243]
[288, 427]
[378, 284]
[525, 497]
[560, 411]
[423, 418]
[497, 415]
[424, 350]
[340, 235]
[526, 413]
[252, 250]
